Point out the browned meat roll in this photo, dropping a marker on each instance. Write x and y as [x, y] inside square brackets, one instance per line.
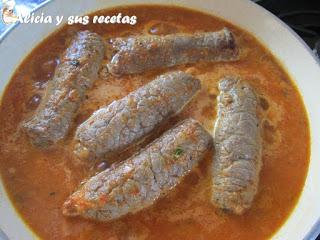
[76, 72]
[141, 180]
[237, 160]
[142, 53]
[113, 128]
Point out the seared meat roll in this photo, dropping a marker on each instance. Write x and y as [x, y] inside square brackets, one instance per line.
[237, 160]
[113, 128]
[77, 70]
[141, 180]
[142, 53]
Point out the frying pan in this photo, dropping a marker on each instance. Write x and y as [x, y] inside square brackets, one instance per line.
[291, 51]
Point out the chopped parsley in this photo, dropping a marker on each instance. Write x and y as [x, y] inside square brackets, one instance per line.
[178, 152]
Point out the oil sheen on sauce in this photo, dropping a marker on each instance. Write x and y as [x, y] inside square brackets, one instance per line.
[38, 182]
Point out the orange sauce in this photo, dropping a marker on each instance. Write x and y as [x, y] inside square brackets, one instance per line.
[38, 181]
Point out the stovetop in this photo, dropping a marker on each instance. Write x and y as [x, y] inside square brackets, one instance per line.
[303, 16]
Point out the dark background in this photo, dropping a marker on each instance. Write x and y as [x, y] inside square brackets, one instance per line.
[303, 16]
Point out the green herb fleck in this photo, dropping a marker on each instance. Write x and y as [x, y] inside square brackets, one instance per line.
[75, 63]
[178, 152]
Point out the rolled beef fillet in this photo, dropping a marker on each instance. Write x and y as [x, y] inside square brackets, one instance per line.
[142, 53]
[237, 141]
[141, 180]
[76, 72]
[126, 121]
